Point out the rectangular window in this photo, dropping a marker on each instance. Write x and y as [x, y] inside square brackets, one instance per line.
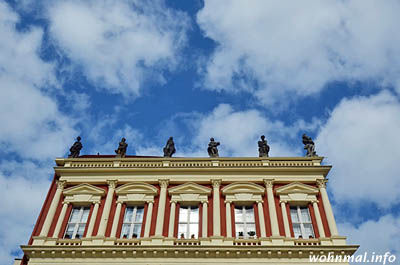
[188, 226]
[77, 222]
[301, 220]
[132, 225]
[245, 225]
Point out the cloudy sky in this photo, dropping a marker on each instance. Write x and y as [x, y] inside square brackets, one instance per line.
[234, 70]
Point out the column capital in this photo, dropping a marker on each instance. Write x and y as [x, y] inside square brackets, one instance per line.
[315, 201]
[269, 183]
[96, 202]
[321, 183]
[64, 202]
[61, 184]
[204, 202]
[227, 201]
[216, 183]
[149, 202]
[260, 201]
[112, 183]
[173, 201]
[163, 183]
[119, 202]
[283, 201]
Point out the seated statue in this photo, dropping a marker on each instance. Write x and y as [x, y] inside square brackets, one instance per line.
[169, 148]
[121, 151]
[212, 148]
[309, 146]
[263, 147]
[75, 148]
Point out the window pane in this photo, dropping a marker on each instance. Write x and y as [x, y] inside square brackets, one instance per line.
[75, 215]
[250, 214]
[85, 215]
[183, 211]
[294, 215]
[193, 230]
[239, 230]
[308, 230]
[128, 215]
[70, 231]
[139, 214]
[182, 230]
[238, 214]
[251, 230]
[80, 231]
[297, 230]
[305, 215]
[125, 231]
[194, 215]
[136, 231]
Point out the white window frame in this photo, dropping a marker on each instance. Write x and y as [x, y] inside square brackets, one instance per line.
[132, 222]
[188, 222]
[302, 222]
[246, 224]
[76, 227]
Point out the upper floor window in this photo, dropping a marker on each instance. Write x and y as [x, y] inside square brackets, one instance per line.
[77, 222]
[132, 225]
[188, 226]
[301, 220]
[245, 225]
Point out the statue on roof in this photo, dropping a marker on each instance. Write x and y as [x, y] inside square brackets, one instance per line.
[121, 151]
[75, 148]
[263, 147]
[309, 146]
[169, 148]
[212, 148]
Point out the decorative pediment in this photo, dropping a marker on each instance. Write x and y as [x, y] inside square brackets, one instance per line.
[83, 193]
[296, 187]
[243, 188]
[136, 188]
[243, 192]
[297, 192]
[189, 188]
[136, 192]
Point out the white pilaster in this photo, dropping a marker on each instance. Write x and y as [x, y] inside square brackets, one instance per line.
[261, 219]
[228, 219]
[319, 219]
[161, 206]
[60, 219]
[92, 219]
[52, 209]
[216, 209]
[148, 219]
[285, 219]
[172, 219]
[116, 219]
[205, 219]
[327, 207]
[107, 207]
[271, 207]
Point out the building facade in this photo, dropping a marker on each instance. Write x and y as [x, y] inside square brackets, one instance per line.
[162, 210]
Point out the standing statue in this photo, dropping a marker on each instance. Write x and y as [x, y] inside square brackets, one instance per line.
[212, 148]
[75, 148]
[263, 147]
[309, 146]
[169, 148]
[121, 151]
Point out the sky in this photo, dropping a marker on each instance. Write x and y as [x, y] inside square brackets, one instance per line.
[232, 70]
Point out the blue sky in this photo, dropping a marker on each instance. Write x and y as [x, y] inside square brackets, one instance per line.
[233, 70]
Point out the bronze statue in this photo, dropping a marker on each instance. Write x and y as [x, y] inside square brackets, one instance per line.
[263, 147]
[75, 148]
[212, 148]
[121, 151]
[309, 146]
[169, 148]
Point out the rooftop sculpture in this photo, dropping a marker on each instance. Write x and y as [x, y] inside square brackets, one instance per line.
[212, 148]
[169, 148]
[75, 148]
[121, 151]
[309, 146]
[263, 147]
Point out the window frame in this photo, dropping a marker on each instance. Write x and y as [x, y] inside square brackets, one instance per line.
[132, 222]
[188, 234]
[302, 222]
[77, 224]
[246, 224]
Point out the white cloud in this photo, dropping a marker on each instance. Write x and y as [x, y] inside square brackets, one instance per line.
[361, 141]
[375, 237]
[280, 50]
[122, 44]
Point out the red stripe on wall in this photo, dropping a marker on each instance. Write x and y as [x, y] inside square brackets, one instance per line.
[154, 214]
[65, 221]
[56, 216]
[167, 213]
[210, 226]
[233, 220]
[111, 215]
[323, 216]
[100, 211]
[88, 220]
[313, 221]
[280, 217]
[290, 219]
[222, 212]
[178, 206]
[200, 220]
[257, 219]
[267, 217]
[146, 207]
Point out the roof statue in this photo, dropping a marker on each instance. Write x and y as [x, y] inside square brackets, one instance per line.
[309, 146]
[169, 148]
[212, 148]
[75, 148]
[121, 151]
[263, 147]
